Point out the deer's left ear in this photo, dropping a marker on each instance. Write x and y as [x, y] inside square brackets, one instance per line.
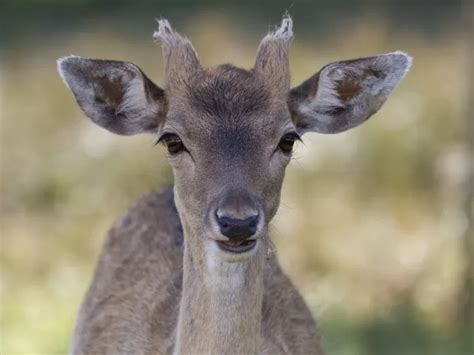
[344, 94]
[116, 95]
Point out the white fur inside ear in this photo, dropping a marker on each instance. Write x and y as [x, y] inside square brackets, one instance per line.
[113, 94]
[349, 92]
[135, 100]
[392, 67]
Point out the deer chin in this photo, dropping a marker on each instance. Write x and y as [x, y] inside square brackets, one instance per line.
[237, 247]
[233, 252]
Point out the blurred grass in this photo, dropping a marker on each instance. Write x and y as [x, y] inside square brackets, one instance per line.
[371, 223]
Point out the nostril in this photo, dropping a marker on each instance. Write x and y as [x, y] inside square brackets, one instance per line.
[222, 223]
[237, 229]
[254, 221]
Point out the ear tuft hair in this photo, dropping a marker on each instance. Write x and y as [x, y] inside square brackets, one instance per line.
[272, 57]
[165, 33]
[284, 32]
[180, 57]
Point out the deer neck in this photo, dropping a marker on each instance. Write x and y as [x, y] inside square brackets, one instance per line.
[221, 304]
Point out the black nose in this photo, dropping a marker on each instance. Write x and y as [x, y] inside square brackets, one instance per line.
[237, 229]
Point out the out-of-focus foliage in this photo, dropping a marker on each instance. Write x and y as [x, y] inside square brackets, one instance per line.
[372, 221]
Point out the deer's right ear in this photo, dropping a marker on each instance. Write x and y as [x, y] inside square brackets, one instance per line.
[344, 94]
[115, 95]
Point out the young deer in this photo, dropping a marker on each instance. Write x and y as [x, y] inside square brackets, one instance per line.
[187, 271]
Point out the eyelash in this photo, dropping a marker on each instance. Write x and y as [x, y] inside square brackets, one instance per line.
[175, 145]
[287, 142]
[172, 142]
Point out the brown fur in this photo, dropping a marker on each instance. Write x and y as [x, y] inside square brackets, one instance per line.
[347, 89]
[133, 302]
[164, 284]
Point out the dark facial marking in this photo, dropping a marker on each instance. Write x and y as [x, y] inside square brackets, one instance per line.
[228, 92]
[234, 141]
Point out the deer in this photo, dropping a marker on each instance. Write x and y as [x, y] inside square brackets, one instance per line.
[190, 269]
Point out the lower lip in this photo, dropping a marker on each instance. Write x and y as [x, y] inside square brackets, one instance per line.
[237, 248]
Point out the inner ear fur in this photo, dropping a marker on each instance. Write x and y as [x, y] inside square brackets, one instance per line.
[344, 94]
[115, 95]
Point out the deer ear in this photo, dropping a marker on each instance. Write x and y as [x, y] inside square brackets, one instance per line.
[344, 94]
[115, 95]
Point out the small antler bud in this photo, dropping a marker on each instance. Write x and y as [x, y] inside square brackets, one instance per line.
[180, 57]
[272, 56]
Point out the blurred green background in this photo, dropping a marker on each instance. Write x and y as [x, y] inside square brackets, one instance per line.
[376, 224]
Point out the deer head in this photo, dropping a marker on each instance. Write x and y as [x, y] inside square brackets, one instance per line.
[229, 131]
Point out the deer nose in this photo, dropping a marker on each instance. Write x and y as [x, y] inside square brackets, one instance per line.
[237, 229]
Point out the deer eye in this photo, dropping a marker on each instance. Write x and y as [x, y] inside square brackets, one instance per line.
[172, 142]
[287, 142]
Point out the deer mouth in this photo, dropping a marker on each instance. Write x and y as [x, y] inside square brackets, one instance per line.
[236, 246]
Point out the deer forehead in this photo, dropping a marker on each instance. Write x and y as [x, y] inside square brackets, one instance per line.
[229, 103]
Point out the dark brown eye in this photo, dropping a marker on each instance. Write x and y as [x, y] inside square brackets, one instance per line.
[172, 142]
[287, 142]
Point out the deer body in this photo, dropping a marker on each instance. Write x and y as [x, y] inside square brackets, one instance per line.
[189, 272]
[136, 293]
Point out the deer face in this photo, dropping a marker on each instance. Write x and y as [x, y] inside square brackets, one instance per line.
[229, 139]
[229, 132]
